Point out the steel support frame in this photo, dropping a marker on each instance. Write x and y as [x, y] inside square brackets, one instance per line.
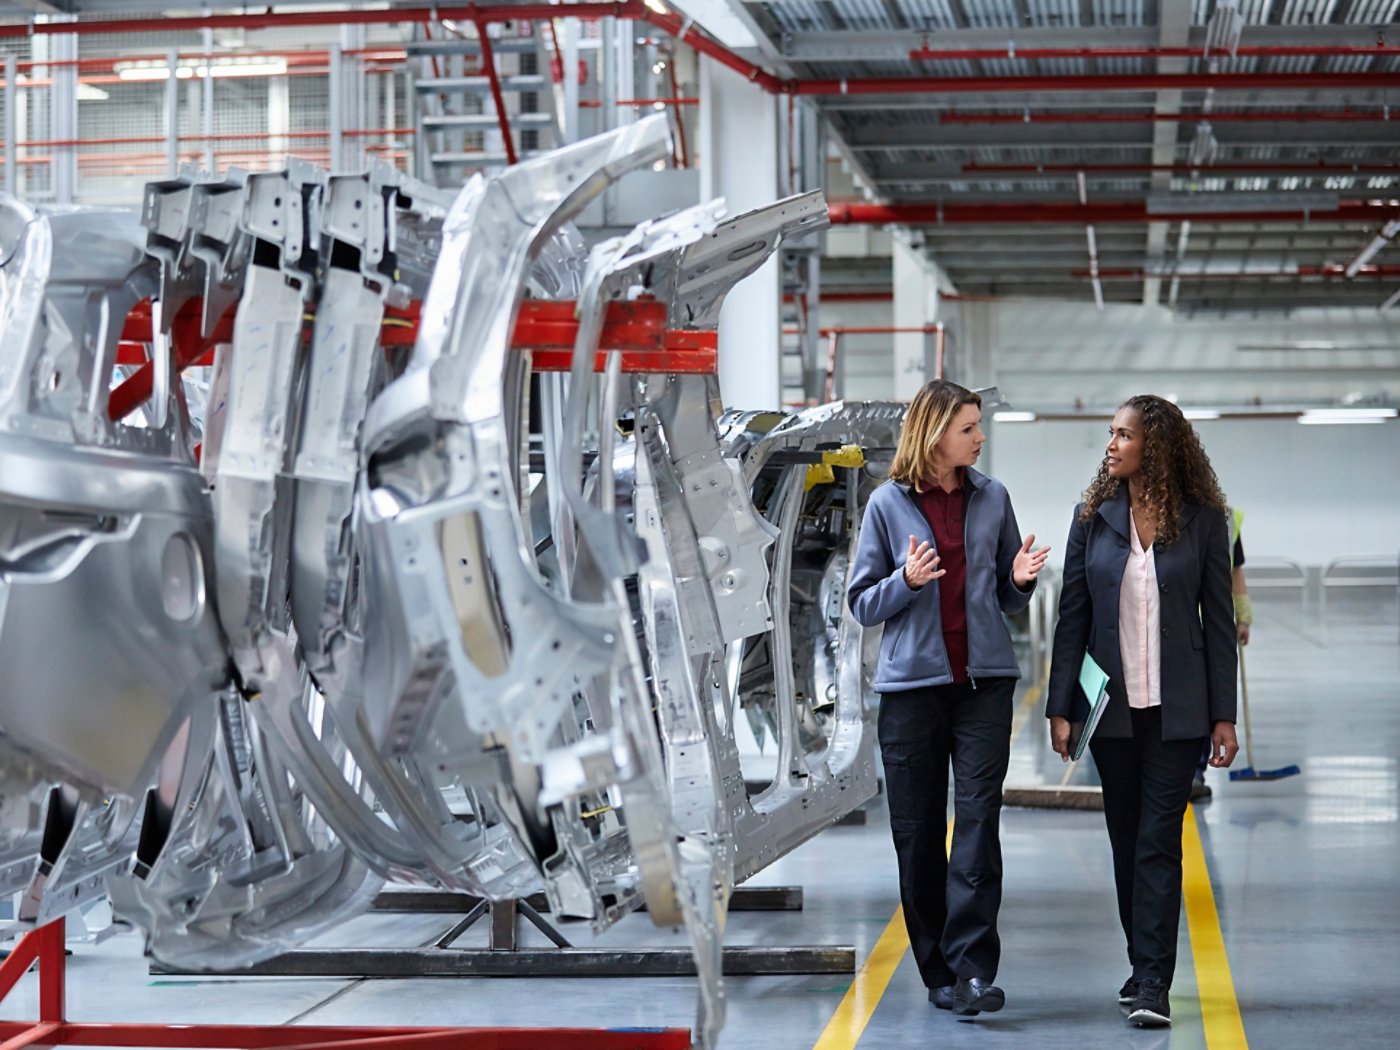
[45, 946]
[505, 956]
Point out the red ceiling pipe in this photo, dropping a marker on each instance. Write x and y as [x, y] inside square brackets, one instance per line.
[1300, 167]
[684, 31]
[1104, 212]
[1265, 116]
[1279, 51]
[272, 19]
[1337, 270]
[1093, 84]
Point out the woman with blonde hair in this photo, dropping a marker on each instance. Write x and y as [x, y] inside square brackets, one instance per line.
[938, 561]
[1147, 594]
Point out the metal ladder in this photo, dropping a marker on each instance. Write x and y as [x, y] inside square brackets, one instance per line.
[481, 103]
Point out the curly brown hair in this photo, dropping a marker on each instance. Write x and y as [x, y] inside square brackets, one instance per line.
[1175, 468]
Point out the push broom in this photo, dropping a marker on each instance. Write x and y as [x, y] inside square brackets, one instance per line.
[1249, 772]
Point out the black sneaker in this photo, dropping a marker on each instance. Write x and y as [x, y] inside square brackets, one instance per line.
[1128, 992]
[1150, 1008]
[1200, 790]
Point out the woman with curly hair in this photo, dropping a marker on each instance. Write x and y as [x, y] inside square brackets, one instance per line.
[1147, 594]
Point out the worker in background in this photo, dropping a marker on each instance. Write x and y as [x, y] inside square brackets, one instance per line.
[1146, 593]
[1244, 617]
[939, 560]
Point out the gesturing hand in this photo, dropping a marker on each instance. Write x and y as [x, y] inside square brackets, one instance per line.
[1028, 563]
[922, 564]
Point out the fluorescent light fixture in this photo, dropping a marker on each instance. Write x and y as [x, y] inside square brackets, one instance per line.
[1389, 303]
[91, 93]
[1373, 247]
[1014, 417]
[220, 68]
[1330, 416]
[657, 6]
[1200, 413]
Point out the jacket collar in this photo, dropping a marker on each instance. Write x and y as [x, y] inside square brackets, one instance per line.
[1114, 510]
[972, 478]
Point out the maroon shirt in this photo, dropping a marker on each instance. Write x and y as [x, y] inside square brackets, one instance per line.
[944, 511]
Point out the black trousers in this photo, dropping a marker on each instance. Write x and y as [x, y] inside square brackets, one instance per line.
[1146, 787]
[950, 902]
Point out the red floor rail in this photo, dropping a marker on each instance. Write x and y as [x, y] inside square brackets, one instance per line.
[45, 945]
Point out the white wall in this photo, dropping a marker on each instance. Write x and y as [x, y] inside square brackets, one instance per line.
[1052, 354]
[1310, 493]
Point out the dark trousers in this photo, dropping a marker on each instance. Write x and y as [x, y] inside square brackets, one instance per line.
[950, 902]
[1146, 787]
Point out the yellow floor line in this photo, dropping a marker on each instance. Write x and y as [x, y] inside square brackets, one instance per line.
[848, 1023]
[1220, 1010]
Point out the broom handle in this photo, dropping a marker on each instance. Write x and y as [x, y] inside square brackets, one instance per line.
[1244, 699]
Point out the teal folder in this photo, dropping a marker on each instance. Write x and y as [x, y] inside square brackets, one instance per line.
[1094, 681]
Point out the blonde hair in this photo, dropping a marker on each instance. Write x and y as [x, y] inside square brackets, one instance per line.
[927, 420]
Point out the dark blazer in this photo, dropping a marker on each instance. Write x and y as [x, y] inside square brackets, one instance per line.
[1198, 621]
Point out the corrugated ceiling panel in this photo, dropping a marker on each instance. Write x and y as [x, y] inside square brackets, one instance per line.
[1118, 13]
[797, 15]
[1063, 67]
[862, 14]
[1256, 12]
[991, 14]
[1373, 12]
[1349, 64]
[959, 67]
[928, 14]
[1053, 14]
[1308, 12]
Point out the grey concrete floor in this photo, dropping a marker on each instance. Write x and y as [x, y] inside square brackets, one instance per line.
[1305, 873]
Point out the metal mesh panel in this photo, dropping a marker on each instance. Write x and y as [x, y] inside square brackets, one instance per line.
[241, 125]
[309, 105]
[122, 126]
[35, 125]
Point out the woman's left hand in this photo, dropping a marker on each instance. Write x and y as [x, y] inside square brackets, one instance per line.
[1224, 745]
[1028, 563]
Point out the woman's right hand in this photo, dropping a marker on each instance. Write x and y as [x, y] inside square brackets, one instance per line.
[922, 564]
[1059, 736]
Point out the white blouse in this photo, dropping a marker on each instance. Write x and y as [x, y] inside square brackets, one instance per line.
[1140, 625]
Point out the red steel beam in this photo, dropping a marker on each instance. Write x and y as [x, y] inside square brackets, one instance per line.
[1108, 212]
[1277, 51]
[1145, 117]
[1300, 167]
[1337, 270]
[685, 31]
[546, 329]
[1094, 84]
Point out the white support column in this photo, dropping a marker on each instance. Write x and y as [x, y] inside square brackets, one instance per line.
[206, 104]
[12, 126]
[915, 305]
[172, 113]
[738, 146]
[63, 112]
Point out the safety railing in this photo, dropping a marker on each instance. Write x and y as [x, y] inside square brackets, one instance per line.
[1268, 572]
[1359, 570]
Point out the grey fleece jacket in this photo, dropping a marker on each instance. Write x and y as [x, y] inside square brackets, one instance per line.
[912, 654]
